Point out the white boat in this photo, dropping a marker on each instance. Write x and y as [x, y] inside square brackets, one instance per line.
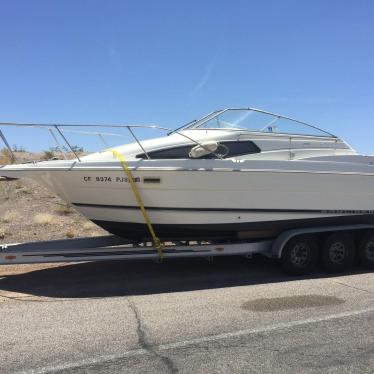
[234, 174]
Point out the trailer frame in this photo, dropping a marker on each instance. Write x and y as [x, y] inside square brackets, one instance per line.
[109, 248]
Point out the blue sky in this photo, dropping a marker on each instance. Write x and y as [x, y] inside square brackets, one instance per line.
[167, 62]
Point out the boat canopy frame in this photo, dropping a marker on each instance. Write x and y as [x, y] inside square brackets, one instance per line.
[197, 124]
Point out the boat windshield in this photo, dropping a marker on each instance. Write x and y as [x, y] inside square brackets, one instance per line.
[257, 120]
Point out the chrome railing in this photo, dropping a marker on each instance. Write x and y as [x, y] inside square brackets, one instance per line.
[59, 132]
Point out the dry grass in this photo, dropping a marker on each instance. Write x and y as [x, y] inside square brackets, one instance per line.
[10, 216]
[70, 234]
[3, 233]
[88, 226]
[25, 191]
[48, 155]
[19, 187]
[34, 217]
[44, 219]
[4, 191]
[5, 157]
[64, 209]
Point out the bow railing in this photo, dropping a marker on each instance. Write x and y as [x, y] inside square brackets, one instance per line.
[59, 135]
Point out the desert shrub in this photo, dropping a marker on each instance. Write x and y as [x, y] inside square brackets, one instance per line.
[25, 191]
[3, 233]
[48, 155]
[58, 149]
[17, 148]
[88, 226]
[10, 216]
[64, 209]
[70, 234]
[5, 156]
[4, 191]
[77, 149]
[44, 219]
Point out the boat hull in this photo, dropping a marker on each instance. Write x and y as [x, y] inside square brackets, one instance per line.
[208, 199]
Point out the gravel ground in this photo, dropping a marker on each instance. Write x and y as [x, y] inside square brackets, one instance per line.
[29, 212]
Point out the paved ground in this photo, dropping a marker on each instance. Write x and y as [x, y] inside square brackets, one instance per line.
[186, 316]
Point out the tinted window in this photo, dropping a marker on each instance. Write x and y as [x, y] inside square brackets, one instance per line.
[228, 149]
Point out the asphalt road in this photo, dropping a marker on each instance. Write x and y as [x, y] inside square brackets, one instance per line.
[184, 316]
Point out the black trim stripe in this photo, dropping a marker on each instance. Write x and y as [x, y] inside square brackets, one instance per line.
[261, 229]
[190, 209]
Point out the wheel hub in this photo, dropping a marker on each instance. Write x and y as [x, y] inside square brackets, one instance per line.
[369, 250]
[337, 252]
[299, 254]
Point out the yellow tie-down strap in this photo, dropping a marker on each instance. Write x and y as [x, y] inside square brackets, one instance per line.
[156, 241]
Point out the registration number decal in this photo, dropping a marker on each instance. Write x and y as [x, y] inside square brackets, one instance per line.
[109, 179]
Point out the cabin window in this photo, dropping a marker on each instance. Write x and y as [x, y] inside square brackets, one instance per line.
[235, 148]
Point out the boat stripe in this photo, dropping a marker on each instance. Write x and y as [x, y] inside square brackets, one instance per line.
[255, 210]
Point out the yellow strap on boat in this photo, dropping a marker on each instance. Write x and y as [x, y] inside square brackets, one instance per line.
[156, 241]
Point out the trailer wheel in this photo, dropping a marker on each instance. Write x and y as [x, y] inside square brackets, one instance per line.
[338, 252]
[300, 255]
[366, 250]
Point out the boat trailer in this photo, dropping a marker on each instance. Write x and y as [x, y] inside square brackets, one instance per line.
[108, 248]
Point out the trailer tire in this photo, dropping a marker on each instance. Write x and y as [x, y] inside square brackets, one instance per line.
[366, 250]
[300, 255]
[338, 252]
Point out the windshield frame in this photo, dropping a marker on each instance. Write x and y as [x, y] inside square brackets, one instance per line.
[196, 125]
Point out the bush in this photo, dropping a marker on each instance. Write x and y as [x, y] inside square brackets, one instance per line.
[44, 219]
[77, 149]
[17, 148]
[64, 209]
[5, 156]
[48, 155]
[10, 216]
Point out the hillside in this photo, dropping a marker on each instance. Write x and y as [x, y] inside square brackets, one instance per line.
[29, 212]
